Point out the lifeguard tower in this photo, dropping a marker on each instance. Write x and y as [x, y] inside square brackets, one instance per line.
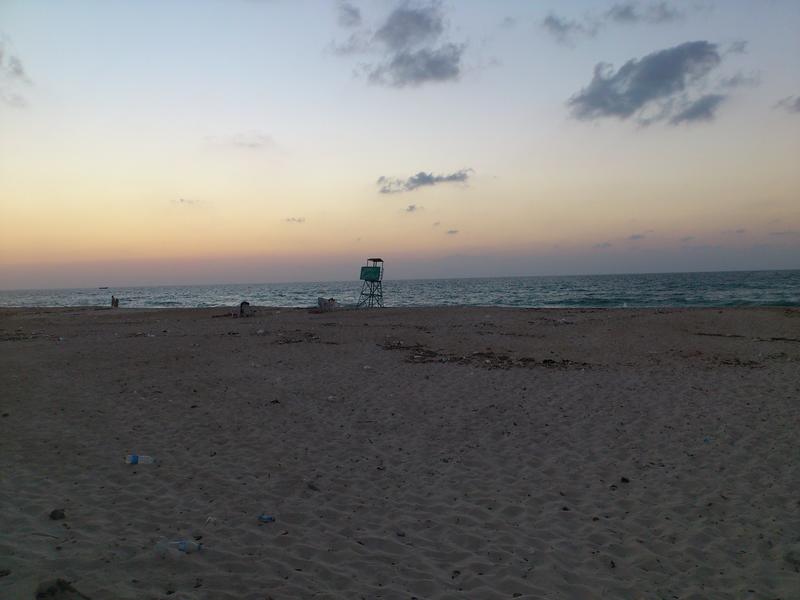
[371, 290]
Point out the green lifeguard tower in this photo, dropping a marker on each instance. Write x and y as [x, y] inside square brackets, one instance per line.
[371, 289]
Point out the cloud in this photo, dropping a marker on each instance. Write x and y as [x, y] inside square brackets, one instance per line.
[688, 238]
[603, 245]
[391, 185]
[246, 141]
[410, 45]
[413, 68]
[407, 27]
[654, 13]
[452, 231]
[624, 13]
[565, 30]
[13, 78]
[740, 80]
[11, 68]
[436, 224]
[787, 232]
[13, 99]
[295, 220]
[508, 22]
[739, 231]
[14, 68]
[185, 202]
[412, 208]
[702, 109]
[348, 15]
[358, 42]
[636, 237]
[737, 47]
[653, 88]
[790, 104]
[701, 247]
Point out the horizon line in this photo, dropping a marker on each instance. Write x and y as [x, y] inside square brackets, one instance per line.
[147, 286]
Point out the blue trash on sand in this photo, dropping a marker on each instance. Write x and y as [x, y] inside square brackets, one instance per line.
[139, 459]
[183, 546]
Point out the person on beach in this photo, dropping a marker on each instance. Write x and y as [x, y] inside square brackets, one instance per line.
[114, 302]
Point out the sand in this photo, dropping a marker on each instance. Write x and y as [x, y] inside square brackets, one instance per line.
[404, 453]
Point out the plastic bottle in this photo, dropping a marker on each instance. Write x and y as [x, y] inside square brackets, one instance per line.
[266, 518]
[185, 546]
[139, 459]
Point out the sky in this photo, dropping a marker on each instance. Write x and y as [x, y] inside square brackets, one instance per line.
[225, 141]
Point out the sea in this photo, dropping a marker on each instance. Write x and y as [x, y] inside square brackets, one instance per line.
[715, 289]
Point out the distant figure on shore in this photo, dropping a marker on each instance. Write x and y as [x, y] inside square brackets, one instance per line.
[114, 302]
[244, 307]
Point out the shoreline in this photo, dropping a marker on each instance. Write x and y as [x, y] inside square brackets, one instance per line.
[727, 289]
[440, 307]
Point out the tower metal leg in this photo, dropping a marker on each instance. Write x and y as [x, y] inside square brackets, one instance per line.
[371, 294]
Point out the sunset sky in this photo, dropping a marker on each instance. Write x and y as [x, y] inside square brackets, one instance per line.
[227, 141]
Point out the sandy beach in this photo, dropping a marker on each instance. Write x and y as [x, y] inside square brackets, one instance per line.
[403, 453]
